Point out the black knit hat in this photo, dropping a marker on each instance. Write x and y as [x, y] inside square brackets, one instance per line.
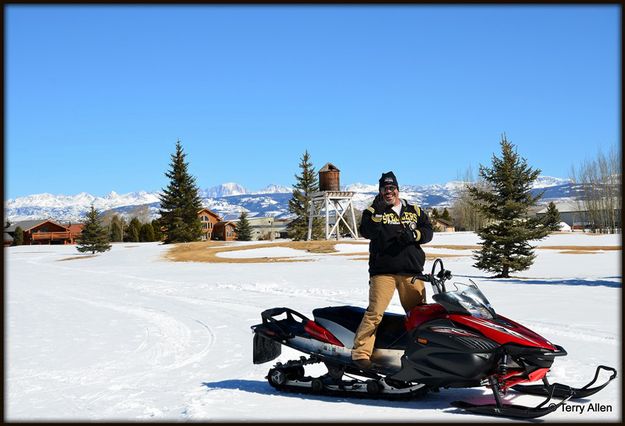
[388, 178]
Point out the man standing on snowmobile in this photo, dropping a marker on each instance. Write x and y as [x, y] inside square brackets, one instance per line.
[396, 230]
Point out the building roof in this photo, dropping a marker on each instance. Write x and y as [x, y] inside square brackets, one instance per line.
[442, 221]
[75, 228]
[223, 224]
[8, 238]
[566, 206]
[29, 224]
[209, 212]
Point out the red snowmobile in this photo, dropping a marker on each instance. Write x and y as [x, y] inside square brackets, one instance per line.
[457, 342]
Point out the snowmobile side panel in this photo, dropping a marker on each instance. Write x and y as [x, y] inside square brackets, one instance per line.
[344, 335]
[320, 333]
[443, 355]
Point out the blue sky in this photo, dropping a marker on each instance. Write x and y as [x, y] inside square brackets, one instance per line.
[96, 96]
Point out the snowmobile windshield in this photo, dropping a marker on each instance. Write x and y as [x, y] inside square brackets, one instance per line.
[466, 299]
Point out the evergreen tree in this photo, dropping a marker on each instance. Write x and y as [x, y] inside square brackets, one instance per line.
[117, 226]
[180, 202]
[94, 237]
[18, 238]
[435, 214]
[146, 234]
[299, 204]
[505, 203]
[445, 215]
[552, 218]
[156, 227]
[244, 229]
[133, 230]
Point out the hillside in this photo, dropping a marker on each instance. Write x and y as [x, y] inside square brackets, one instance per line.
[229, 199]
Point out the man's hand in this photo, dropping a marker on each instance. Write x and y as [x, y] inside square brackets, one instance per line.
[379, 205]
[406, 236]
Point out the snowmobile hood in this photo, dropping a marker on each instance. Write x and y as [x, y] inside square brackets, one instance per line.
[503, 330]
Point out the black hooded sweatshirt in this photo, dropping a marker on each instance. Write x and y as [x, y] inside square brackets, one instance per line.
[388, 253]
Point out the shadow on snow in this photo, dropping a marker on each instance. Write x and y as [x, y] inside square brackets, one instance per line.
[431, 401]
[538, 281]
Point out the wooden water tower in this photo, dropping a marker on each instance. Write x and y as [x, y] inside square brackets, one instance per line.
[332, 204]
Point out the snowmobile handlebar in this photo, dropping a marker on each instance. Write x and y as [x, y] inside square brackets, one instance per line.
[437, 279]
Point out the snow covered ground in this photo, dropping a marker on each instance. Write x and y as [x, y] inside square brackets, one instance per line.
[127, 335]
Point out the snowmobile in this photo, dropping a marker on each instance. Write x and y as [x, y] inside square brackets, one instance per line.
[457, 342]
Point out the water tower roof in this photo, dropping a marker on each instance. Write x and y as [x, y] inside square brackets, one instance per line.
[329, 167]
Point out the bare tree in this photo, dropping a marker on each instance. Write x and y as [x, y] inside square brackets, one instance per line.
[466, 216]
[600, 182]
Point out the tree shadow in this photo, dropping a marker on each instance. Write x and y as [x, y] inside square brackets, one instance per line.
[537, 281]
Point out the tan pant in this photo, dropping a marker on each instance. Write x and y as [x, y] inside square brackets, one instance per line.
[381, 289]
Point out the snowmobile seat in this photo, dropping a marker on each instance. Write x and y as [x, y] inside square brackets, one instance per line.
[391, 333]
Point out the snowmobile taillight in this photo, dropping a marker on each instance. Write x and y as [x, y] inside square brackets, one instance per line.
[320, 333]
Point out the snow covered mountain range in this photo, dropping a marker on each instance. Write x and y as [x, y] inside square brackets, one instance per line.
[229, 199]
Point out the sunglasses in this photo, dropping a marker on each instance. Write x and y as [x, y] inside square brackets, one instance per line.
[389, 188]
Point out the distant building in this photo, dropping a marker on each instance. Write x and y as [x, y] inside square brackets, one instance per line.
[574, 214]
[442, 225]
[225, 231]
[45, 232]
[208, 219]
[214, 227]
[267, 228]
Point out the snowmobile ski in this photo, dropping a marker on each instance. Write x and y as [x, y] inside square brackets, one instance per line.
[561, 391]
[500, 409]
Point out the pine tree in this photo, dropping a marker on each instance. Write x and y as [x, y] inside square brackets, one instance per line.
[244, 229]
[156, 227]
[552, 218]
[435, 214]
[299, 204]
[117, 226]
[146, 233]
[505, 203]
[18, 238]
[180, 202]
[445, 215]
[94, 237]
[133, 231]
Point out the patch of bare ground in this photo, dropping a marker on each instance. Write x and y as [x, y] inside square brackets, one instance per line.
[207, 251]
[452, 247]
[571, 249]
[581, 248]
[428, 256]
[77, 257]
